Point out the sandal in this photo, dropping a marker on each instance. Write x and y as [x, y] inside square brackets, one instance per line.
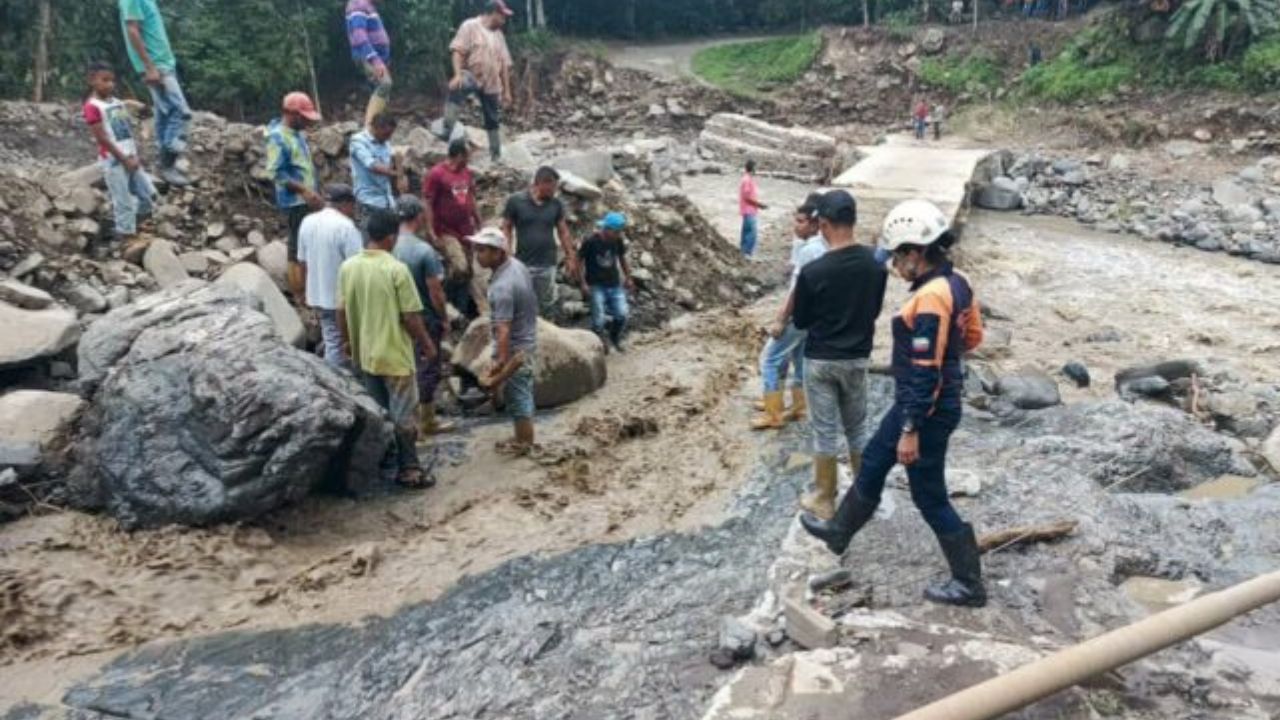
[415, 479]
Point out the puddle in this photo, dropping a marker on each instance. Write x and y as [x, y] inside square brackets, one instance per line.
[1225, 487]
[1157, 594]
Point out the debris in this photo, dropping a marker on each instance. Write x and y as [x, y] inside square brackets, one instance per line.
[831, 580]
[1001, 539]
[736, 639]
[1077, 373]
[806, 626]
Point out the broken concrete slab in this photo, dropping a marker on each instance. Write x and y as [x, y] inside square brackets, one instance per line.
[807, 627]
[794, 152]
[254, 279]
[31, 335]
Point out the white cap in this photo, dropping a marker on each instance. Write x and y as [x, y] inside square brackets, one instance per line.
[489, 237]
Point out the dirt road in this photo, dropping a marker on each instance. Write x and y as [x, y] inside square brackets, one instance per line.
[670, 61]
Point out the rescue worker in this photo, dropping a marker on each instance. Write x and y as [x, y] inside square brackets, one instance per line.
[939, 323]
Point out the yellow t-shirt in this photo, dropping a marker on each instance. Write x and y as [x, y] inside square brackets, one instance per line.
[375, 289]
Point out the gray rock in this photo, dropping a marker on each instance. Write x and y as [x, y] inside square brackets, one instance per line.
[1074, 178]
[657, 111]
[1077, 373]
[1270, 450]
[118, 297]
[27, 265]
[1229, 193]
[1029, 390]
[1064, 166]
[162, 262]
[933, 40]
[1152, 386]
[1182, 149]
[274, 258]
[573, 184]
[24, 296]
[224, 428]
[675, 109]
[1244, 214]
[255, 238]
[1169, 370]
[195, 263]
[36, 416]
[571, 363]
[593, 166]
[1119, 162]
[1001, 194]
[86, 298]
[1252, 174]
[736, 639]
[254, 279]
[59, 370]
[215, 230]
[31, 335]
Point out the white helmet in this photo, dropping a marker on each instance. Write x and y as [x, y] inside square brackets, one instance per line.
[913, 222]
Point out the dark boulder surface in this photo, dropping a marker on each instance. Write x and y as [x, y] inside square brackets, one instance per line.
[199, 413]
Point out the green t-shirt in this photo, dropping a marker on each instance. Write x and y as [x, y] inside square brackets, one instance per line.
[374, 290]
[154, 37]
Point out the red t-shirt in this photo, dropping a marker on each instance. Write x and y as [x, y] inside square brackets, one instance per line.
[452, 197]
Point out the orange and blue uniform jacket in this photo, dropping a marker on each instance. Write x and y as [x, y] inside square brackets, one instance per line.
[939, 323]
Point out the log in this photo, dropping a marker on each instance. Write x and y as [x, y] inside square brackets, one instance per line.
[1026, 534]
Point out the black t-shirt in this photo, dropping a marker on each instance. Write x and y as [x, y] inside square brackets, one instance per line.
[837, 299]
[601, 258]
[535, 228]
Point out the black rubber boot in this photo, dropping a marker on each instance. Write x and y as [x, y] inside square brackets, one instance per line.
[964, 588]
[838, 532]
[616, 328]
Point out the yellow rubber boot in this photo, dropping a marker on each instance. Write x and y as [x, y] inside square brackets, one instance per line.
[429, 423]
[822, 502]
[799, 407]
[771, 418]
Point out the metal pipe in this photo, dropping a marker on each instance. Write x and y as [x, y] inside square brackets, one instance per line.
[1065, 668]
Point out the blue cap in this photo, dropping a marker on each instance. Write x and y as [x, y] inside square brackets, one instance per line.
[613, 221]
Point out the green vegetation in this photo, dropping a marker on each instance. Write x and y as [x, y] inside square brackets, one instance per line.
[977, 73]
[1261, 64]
[753, 67]
[1221, 26]
[900, 24]
[1067, 79]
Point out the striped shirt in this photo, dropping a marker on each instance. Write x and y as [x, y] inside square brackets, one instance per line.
[366, 33]
[289, 158]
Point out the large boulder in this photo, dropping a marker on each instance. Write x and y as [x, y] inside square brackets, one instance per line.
[594, 166]
[1029, 390]
[1001, 193]
[31, 335]
[199, 413]
[254, 279]
[571, 363]
[274, 258]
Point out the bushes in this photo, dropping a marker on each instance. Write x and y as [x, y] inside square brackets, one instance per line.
[749, 68]
[1261, 64]
[1066, 79]
[978, 72]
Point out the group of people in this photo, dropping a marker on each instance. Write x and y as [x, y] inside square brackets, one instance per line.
[819, 346]
[379, 266]
[922, 117]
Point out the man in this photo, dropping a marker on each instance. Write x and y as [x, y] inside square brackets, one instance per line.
[380, 317]
[450, 193]
[427, 271]
[920, 118]
[147, 43]
[530, 222]
[786, 341]
[374, 169]
[291, 168]
[749, 207]
[481, 66]
[939, 114]
[371, 49]
[326, 239]
[837, 300]
[128, 185]
[514, 324]
[606, 278]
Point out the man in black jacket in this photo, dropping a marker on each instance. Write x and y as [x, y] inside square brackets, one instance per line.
[837, 300]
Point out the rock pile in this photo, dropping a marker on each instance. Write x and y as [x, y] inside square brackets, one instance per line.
[199, 413]
[1237, 214]
[789, 152]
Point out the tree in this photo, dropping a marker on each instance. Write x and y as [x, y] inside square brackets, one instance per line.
[1220, 26]
[42, 50]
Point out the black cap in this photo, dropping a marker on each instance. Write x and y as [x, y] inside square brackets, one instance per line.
[339, 193]
[810, 205]
[838, 207]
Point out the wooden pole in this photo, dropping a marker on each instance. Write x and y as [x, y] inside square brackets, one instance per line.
[1066, 668]
[42, 50]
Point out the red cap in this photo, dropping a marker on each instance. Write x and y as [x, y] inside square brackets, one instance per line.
[300, 103]
[498, 6]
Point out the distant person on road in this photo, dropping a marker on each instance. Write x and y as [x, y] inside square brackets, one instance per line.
[294, 173]
[375, 172]
[130, 188]
[326, 239]
[837, 300]
[606, 279]
[427, 270]
[531, 221]
[371, 50]
[482, 67]
[957, 12]
[920, 118]
[786, 341]
[513, 316]
[937, 325]
[749, 207]
[939, 114]
[380, 315]
[147, 43]
[1034, 54]
[450, 194]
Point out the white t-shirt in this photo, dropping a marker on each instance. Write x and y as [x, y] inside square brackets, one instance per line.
[325, 240]
[114, 117]
[804, 252]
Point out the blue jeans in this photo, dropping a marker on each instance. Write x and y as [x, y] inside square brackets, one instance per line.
[172, 114]
[132, 194]
[518, 390]
[920, 128]
[786, 349]
[927, 477]
[610, 299]
[750, 233]
[331, 335]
